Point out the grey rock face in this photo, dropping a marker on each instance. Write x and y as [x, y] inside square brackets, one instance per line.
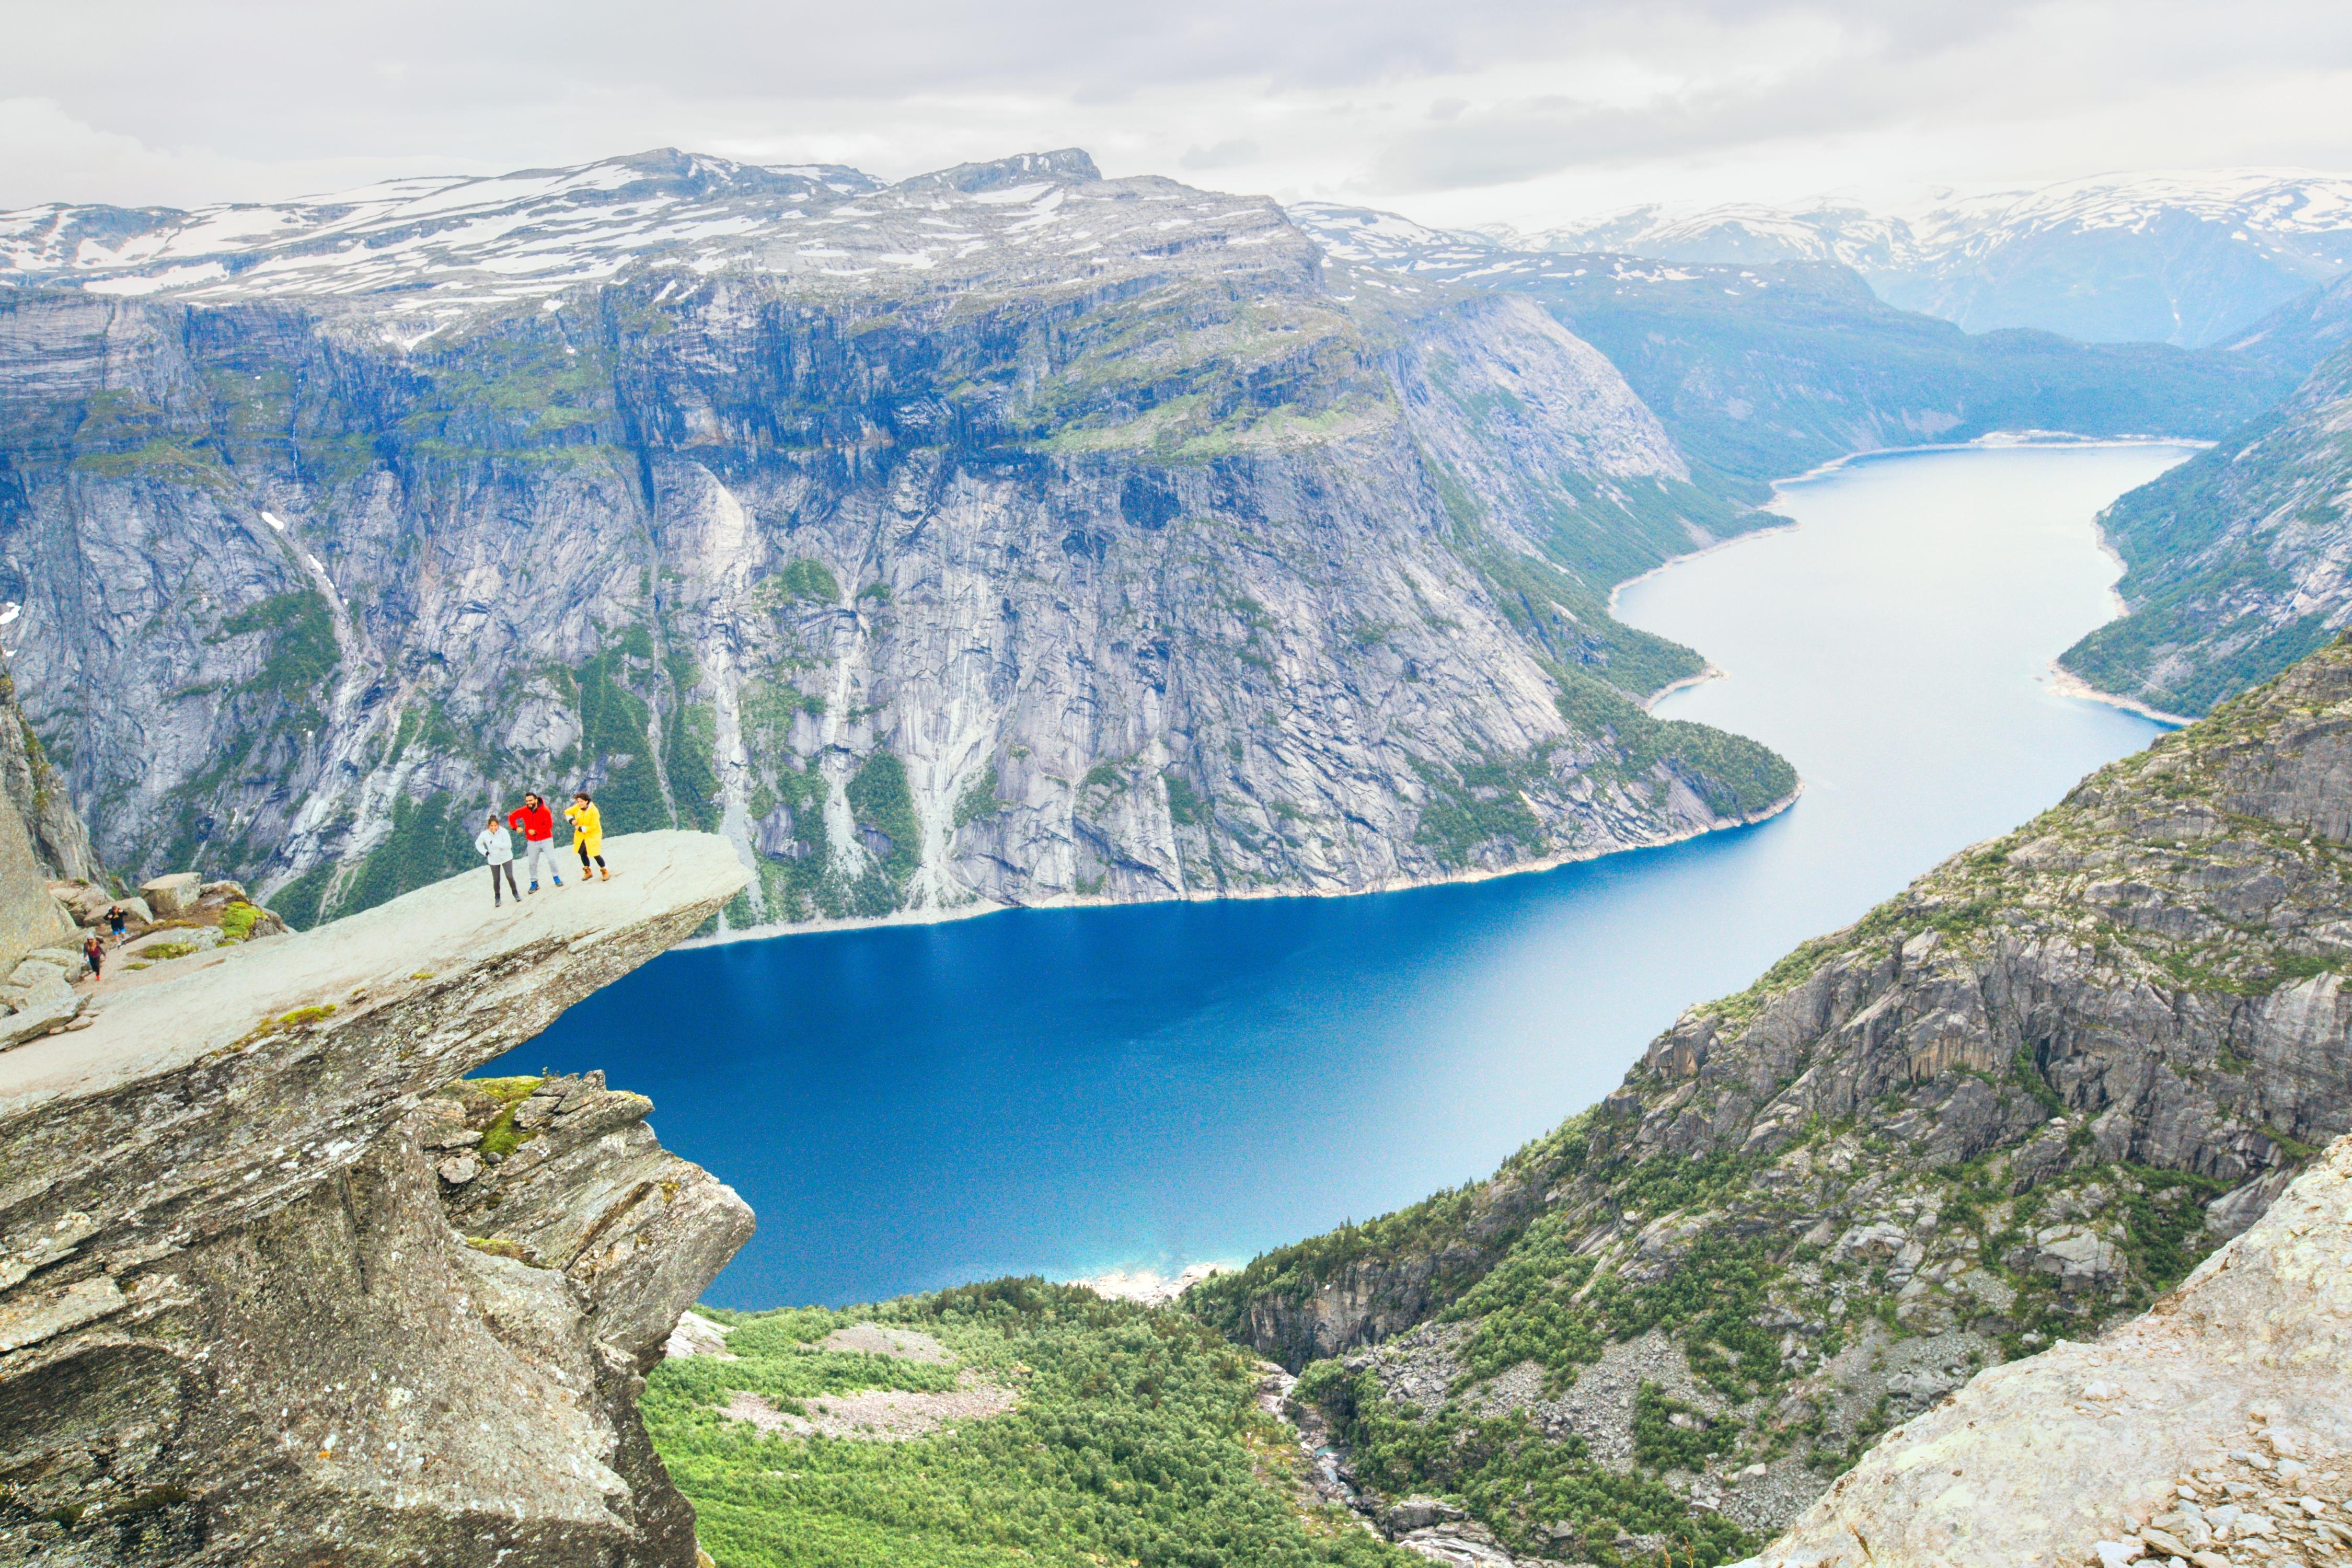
[637, 1229]
[237, 1325]
[2246, 1361]
[1009, 534]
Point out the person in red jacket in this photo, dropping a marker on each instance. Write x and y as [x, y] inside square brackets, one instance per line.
[537, 825]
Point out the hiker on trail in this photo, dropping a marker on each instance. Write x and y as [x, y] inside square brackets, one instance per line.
[587, 833]
[493, 845]
[95, 951]
[115, 918]
[537, 825]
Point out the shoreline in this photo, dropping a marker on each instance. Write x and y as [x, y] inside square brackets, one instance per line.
[1997, 440]
[2106, 547]
[1712, 671]
[2066, 683]
[1788, 525]
[1392, 885]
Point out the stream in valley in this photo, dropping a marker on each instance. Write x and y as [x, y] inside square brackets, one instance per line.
[1066, 1091]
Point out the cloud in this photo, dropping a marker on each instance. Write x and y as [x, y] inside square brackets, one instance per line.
[1227, 154]
[1495, 108]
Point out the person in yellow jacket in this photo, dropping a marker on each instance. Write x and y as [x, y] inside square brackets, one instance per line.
[587, 834]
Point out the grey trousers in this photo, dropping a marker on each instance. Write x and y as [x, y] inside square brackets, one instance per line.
[542, 853]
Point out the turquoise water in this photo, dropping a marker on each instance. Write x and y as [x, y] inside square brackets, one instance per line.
[1064, 1091]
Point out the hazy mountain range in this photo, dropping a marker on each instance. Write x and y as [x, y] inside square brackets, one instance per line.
[2186, 259]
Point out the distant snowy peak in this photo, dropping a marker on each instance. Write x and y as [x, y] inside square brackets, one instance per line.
[2268, 202]
[444, 247]
[2288, 207]
[1370, 237]
[1376, 243]
[2179, 258]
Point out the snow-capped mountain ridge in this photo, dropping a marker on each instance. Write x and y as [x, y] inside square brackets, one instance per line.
[427, 253]
[2177, 257]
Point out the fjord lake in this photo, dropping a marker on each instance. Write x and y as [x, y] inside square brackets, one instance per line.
[1068, 1091]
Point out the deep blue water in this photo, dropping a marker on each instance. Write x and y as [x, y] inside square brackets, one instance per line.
[1064, 1091]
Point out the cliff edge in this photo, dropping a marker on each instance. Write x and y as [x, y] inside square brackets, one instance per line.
[2196, 1431]
[236, 1323]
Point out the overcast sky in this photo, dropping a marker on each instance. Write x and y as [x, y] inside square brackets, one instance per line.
[1518, 111]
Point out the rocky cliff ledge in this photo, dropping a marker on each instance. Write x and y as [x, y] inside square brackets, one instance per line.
[236, 1323]
[2216, 1428]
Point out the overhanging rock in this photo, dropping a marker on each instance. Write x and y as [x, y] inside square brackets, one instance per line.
[235, 1325]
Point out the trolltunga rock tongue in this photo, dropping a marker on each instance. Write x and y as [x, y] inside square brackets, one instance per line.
[2042, 1459]
[235, 1322]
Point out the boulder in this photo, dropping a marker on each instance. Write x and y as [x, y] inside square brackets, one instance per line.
[88, 903]
[33, 983]
[173, 896]
[1419, 1512]
[2080, 1258]
[71, 961]
[35, 1016]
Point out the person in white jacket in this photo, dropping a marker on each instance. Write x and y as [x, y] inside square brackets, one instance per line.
[495, 845]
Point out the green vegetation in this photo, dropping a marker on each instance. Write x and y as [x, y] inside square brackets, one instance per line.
[1572, 624]
[1736, 777]
[1510, 1476]
[502, 1137]
[809, 579]
[1185, 806]
[616, 736]
[689, 752]
[303, 653]
[799, 887]
[1481, 808]
[879, 799]
[517, 389]
[1136, 1441]
[979, 800]
[297, 903]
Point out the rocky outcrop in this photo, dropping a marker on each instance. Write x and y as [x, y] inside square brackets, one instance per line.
[2016, 1103]
[237, 1324]
[1104, 550]
[563, 1173]
[2198, 1430]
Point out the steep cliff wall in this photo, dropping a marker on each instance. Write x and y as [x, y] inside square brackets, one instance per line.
[2016, 1102]
[236, 1323]
[1016, 534]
